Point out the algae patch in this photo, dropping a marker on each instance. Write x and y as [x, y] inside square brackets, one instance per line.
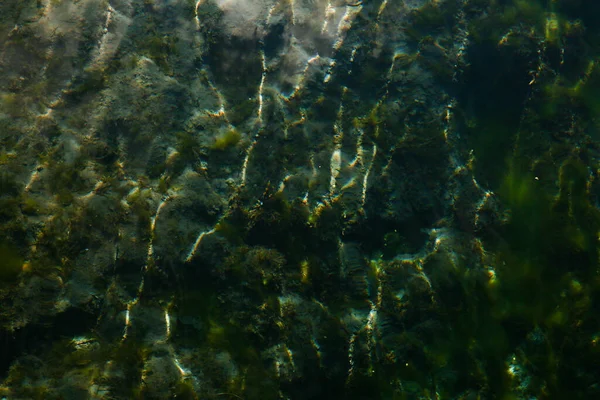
[227, 139]
[10, 263]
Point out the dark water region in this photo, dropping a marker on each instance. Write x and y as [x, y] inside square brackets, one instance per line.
[307, 199]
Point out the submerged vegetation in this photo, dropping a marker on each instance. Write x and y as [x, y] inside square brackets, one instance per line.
[386, 200]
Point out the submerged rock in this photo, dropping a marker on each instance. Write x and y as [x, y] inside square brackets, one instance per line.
[299, 199]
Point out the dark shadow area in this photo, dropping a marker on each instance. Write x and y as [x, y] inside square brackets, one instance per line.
[34, 338]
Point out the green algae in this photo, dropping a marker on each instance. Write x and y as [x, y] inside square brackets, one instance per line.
[226, 139]
[11, 263]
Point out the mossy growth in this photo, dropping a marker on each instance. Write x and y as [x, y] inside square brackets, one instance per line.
[187, 146]
[552, 28]
[587, 89]
[431, 17]
[31, 206]
[11, 263]
[231, 230]
[371, 120]
[128, 356]
[523, 272]
[546, 266]
[185, 390]
[556, 96]
[224, 334]
[241, 110]
[226, 139]
[560, 92]
[531, 11]
[13, 104]
[210, 14]
[494, 106]
[503, 17]
[92, 81]
[139, 201]
[159, 49]
[9, 187]
[163, 184]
